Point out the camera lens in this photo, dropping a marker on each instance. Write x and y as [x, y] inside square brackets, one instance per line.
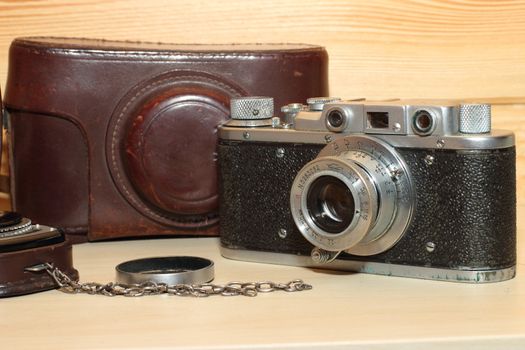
[356, 196]
[423, 122]
[330, 204]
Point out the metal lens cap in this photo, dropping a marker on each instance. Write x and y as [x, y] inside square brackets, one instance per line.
[9, 218]
[169, 270]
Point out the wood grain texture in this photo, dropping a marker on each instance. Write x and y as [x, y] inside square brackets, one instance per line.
[378, 48]
[342, 311]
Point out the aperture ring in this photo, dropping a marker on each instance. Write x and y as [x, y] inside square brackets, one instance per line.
[397, 174]
[364, 195]
[385, 186]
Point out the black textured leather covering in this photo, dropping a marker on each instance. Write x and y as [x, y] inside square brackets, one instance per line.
[465, 205]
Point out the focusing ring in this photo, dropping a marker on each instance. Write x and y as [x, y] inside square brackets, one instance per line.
[364, 196]
[376, 176]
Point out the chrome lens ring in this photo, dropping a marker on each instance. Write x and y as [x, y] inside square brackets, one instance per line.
[364, 196]
[394, 186]
[381, 176]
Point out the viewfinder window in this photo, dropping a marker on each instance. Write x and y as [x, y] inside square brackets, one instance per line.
[377, 120]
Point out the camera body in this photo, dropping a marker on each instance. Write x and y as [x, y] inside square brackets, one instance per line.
[122, 135]
[407, 188]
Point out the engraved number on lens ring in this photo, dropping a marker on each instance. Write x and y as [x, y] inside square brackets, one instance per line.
[385, 187]
[391, 173]
[364, 197]
[404, 196]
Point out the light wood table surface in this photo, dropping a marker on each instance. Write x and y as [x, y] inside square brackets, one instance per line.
[342, 311]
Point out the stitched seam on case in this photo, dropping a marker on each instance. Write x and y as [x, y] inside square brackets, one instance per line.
[121, 55]
[85, 147]
[174, 54]
[117, 132]
[74, 229]
[43, 41]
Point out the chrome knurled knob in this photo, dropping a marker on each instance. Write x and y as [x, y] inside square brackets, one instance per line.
[474, 118]
[251, 108]
[292, 108]
[317, 103]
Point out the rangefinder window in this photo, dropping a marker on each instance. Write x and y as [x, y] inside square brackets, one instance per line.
[377, 120]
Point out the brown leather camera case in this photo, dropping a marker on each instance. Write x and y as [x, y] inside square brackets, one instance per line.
[118, 139]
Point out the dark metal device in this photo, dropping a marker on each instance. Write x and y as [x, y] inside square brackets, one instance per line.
[24, 245]
[407, 188]
[17, 231]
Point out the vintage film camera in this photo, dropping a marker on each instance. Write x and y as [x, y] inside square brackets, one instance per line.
[406, 188]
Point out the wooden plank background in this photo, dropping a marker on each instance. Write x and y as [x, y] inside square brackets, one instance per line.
[378, 48]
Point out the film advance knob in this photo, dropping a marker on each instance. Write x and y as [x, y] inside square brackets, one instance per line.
[251, 108]
[251, 111]
[474, 118]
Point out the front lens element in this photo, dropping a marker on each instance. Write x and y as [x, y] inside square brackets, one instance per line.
[330, 204]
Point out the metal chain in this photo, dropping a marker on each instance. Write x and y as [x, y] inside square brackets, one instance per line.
[249, 289]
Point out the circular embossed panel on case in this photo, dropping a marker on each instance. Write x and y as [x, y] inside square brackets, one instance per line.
[161, 146]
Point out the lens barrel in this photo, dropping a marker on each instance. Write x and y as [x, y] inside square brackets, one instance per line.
[330, 203]
[356, 196]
